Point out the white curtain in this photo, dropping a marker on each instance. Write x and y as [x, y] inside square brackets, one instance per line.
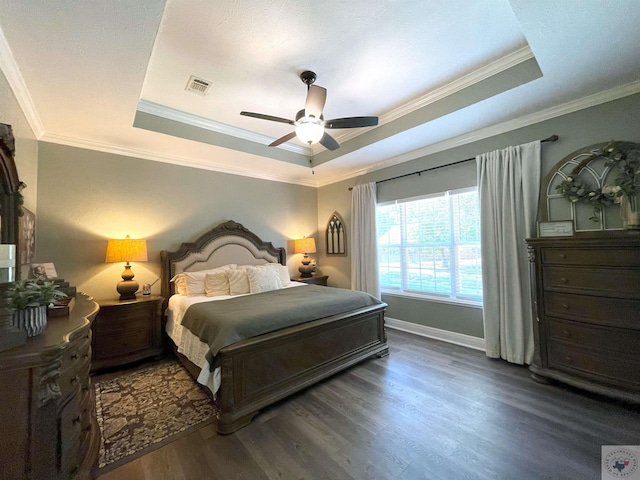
[364, 240]
[508, 185]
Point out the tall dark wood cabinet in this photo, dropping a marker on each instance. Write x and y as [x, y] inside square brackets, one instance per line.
[587, 304]
[47, 406]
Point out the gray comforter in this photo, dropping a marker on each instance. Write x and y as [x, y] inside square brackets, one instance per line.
[224, 322]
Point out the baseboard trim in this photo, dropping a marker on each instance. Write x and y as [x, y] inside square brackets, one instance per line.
[436, 333]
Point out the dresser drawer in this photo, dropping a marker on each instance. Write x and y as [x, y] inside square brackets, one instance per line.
[613, 257]
[622, 371]
[616, 340]
[612, 312]
[121, 342]
[128, 314]
[618, 282]
[71, 431]
[74, 378]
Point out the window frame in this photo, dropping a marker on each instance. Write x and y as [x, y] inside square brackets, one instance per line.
[451, 245]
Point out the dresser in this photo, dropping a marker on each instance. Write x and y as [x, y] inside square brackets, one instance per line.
[126, 331]
[47, 405]
[587, 312]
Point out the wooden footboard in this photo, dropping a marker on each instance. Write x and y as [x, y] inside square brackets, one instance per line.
[262, 370]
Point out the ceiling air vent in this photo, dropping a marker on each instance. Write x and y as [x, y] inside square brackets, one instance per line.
[198, 85]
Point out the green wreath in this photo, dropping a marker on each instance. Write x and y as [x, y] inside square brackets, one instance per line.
[625, 157]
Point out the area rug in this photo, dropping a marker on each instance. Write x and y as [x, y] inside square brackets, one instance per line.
[143, 410]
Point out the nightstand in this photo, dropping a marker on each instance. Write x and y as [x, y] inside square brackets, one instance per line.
[126, 331]
[319, 280]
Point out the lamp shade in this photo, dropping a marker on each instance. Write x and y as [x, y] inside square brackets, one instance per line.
[305, 245]
[126, 250]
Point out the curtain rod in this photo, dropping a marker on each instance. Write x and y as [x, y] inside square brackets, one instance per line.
[552, 138]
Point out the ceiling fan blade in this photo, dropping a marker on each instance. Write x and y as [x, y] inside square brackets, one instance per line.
[316, 96]
[328, 142]
[267, 117]
[284, 139]
[351, 122]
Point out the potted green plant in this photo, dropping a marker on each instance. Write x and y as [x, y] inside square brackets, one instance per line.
[30, 299]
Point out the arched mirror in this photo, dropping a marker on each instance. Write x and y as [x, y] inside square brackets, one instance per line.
[336, 235]
[10, 196]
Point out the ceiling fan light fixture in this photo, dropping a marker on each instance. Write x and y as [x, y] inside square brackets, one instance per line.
[309, 130]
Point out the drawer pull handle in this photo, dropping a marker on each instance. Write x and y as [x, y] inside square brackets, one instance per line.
[565, 306]
[566, 334]
[563, 280]
[562, 255]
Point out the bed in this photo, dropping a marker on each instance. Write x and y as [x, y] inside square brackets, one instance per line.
[255, 372]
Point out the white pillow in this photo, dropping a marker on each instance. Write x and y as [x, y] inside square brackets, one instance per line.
[216, 284]
[192, 283]
[282, 270]
[285, 276]
[238, 281]
[263, 279]
[180, 283]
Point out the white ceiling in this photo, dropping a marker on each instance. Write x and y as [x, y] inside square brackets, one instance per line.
[111, 76]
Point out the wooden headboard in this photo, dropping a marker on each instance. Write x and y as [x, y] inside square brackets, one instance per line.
[229, 242]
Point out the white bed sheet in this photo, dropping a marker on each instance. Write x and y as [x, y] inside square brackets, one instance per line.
[189, 344]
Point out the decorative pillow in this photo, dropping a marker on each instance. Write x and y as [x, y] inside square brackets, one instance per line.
[192, 283]
[283, 273]
[282, 270]
[216, 284]
[180, 283]
[238, 281]
[263, 279]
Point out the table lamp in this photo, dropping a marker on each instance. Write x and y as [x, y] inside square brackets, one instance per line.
[127, 250]
[305, 246]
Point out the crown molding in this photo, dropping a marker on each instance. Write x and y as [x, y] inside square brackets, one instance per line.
[169, 113]
[498, 129]
[498, 66]
[11, 71]
[171, 159]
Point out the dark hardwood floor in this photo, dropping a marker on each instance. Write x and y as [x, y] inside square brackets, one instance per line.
[430, 410]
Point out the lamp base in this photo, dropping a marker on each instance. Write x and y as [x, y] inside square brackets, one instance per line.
[306, 270]
[128, 287]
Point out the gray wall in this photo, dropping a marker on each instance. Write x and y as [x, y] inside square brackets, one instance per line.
[616, 120]
[86, 197]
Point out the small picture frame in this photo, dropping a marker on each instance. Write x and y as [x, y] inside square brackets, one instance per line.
[43, 271]
[563, 228]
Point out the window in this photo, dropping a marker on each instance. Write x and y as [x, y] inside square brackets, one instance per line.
[430, 246]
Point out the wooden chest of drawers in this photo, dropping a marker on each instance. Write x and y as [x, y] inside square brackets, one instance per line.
[587, 304]
[47, 405]
[126, 331]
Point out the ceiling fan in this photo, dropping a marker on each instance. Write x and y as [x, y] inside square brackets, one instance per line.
[309, 122]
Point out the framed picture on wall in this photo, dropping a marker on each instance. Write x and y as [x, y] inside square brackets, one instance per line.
[27, 236]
